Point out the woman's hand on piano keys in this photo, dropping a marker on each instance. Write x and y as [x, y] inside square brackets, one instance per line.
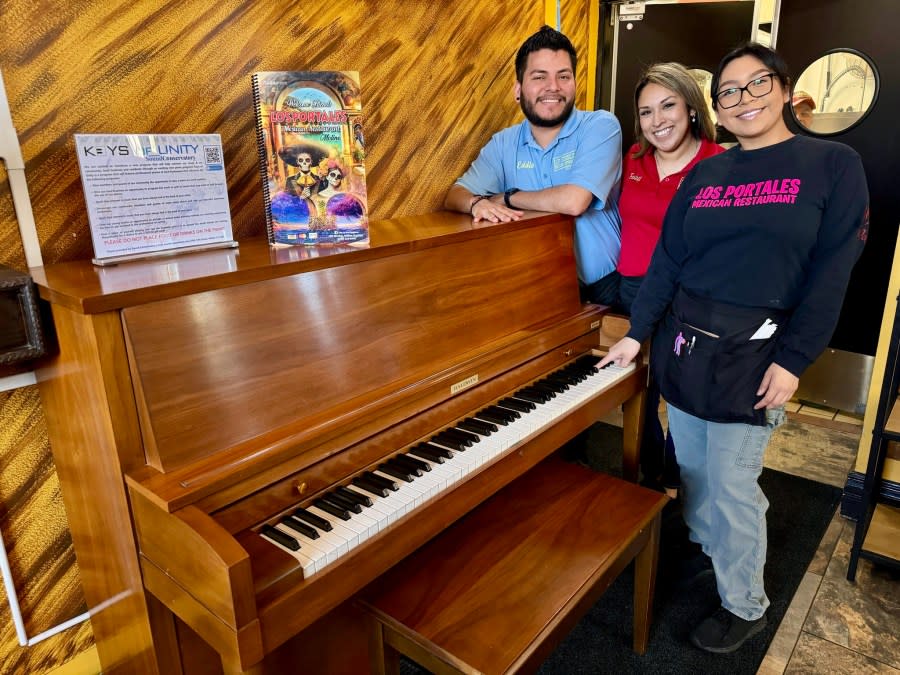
[622, 353]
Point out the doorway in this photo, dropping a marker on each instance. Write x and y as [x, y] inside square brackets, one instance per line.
[694, 34]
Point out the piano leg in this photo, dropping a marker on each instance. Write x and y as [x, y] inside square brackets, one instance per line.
[644, 583]
[633, 424]
[165, 637]
[383, 659]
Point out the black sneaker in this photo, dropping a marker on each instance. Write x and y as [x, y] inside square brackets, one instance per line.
[723, 632]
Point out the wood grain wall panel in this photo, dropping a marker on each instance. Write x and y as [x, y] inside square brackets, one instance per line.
[11, 252]
[437, 82]
[574, 23]
[34, 527]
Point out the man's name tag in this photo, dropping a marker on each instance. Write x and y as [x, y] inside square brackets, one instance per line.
[765, 331]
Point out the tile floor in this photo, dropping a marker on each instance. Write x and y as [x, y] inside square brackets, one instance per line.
[833, 625]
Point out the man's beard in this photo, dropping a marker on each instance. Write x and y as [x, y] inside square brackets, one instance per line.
[537, 121]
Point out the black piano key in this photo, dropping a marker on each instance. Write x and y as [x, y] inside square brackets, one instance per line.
[418, 461]
[477, 426]
[408, 467]
[487, 416]
[532, 394]
[575, 371]
[456, 436]
[574, 368]
[422, 451]
[506, 413]
[353, 495]
[370, 487]
[536, 391]
[450, 442]
[282, 538]
[396, 472]
[446, 453]
[312, 519]
[415, 464]
[583, 364]
[517, 404]
[381, 480]
[328, 507]
[555, 384]
[342, 502]
[471, 435]
[576, 374]
[301, 527]
[588, 362]
[468, 438]
[561, 379]
[547, 389]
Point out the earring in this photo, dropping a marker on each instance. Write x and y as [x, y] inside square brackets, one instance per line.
[693, 117]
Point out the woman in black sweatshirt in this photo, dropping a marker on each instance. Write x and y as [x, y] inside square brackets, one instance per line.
[742, 294]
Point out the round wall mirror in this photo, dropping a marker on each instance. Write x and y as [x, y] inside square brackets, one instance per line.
[835, 92]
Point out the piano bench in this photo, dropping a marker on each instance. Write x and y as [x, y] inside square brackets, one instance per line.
[499, 589]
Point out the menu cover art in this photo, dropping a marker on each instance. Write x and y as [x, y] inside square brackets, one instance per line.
[311, 152]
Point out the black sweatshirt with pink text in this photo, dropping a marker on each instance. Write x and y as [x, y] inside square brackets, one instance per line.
[780, 227]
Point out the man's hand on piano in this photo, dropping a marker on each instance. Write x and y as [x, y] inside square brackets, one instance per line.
[622, 353]
[494, 210]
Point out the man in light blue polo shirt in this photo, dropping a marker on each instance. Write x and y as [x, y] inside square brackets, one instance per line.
[558, 159]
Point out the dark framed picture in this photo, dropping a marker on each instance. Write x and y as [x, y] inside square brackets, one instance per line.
[20, 328]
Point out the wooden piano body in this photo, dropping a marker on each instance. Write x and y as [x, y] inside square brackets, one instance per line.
[194, 398]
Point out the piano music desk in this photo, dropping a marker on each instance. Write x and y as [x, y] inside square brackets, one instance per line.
[497, 591]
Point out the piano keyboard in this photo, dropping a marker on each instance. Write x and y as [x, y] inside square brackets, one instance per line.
[345, 517]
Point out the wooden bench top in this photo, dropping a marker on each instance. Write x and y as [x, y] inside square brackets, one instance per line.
[504, 584]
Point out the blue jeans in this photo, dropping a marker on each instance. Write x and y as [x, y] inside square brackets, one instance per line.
[723, 505]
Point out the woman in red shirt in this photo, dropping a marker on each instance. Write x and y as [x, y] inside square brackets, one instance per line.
[674, 131]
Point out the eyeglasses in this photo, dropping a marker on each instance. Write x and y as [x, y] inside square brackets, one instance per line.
[757, 87]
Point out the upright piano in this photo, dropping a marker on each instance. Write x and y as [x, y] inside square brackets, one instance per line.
[245, 438]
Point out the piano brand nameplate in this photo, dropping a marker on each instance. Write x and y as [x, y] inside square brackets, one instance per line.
[464, 384]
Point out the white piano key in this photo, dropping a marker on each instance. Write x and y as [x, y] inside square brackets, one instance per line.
[332, 544]
[412, 496]
[346, 535]
[443, 474]
[319, 556]
[392, 506]
[338, 530]
[361, 529]
[364, 519]
[396, 503]
[383, 515]
[309, 566]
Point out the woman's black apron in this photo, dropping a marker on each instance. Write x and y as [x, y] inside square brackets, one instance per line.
[709, 357]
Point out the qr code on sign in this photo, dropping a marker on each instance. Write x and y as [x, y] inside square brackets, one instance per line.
[213, 154]
[213, 157]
